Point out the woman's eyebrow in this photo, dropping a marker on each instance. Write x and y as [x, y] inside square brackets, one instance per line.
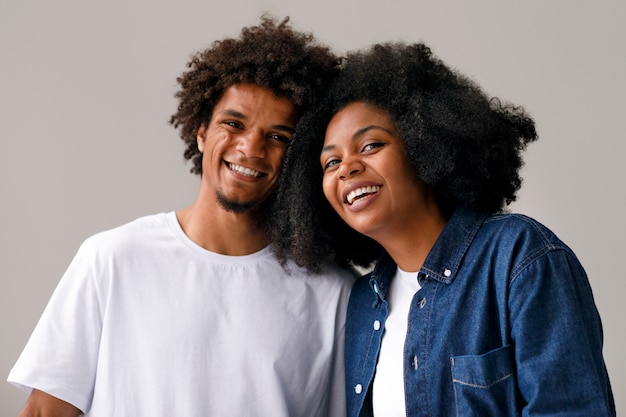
[327, 148]
[366, 129]
[358, 134]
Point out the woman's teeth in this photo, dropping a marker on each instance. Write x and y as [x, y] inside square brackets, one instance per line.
[360, 192]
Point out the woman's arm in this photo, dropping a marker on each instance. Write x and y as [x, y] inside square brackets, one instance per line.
[557, 334]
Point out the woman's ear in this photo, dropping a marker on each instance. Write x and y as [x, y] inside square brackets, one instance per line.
[200, 137]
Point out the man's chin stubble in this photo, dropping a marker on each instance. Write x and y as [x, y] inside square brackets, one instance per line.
[235, 206]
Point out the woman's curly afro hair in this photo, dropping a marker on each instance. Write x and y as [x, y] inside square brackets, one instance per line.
[463, 144]
[271, 55]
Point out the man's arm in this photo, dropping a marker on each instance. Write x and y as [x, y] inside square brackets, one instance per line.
[40, 404]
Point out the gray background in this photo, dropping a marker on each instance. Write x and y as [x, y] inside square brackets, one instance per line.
[86, 89]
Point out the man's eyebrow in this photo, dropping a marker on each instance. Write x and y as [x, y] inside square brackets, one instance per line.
[240, 115]
[233, 113]
[360, 133]
[285, 128]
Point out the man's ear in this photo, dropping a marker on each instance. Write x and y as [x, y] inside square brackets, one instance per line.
[200, 137]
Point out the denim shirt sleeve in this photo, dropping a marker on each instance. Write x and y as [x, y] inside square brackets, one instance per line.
[557, 337]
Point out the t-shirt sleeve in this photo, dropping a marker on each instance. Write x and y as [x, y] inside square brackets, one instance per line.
[60, 358]
[337, 386]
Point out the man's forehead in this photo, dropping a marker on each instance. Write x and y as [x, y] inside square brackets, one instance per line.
[246, 100]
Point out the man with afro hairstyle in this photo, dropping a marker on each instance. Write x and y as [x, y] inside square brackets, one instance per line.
[189, 313]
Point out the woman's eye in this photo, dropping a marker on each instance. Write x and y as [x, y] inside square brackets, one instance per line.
[372, 145]
[331, 164]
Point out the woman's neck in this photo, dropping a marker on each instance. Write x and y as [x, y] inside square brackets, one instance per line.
[410, 245]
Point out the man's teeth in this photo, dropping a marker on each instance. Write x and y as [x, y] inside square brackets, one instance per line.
[244, 171]
[360, 192]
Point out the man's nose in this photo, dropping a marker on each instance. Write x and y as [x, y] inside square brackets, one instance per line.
[252, 144]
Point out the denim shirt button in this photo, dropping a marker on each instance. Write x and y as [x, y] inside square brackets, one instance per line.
[447, 273]
[358, 388]
[422, 302]
[376, 324]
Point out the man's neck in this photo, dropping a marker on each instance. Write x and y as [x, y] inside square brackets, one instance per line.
[221, 231]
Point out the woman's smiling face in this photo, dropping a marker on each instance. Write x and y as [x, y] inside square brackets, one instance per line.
[368, 178]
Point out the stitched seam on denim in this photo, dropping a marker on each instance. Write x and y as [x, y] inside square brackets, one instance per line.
[469, 238]
[428, 322]
[435, 275]
[535, 226]
[531, 257]
[458, 255]
[404, 368]
[367, 354]
[456, 394]
[467, 384]
[364, 362]
[456, 400]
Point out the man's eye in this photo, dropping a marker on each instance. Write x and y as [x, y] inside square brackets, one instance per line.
[233, 124]
[281, 138]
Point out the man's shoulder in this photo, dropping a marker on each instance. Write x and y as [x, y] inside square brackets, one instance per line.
[137, 231]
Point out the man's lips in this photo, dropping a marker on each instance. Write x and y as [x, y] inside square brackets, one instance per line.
[248, 172]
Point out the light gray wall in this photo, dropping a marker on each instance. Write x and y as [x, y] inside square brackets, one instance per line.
[86, 91]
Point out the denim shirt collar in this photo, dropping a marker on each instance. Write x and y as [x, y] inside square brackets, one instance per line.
[444, 258]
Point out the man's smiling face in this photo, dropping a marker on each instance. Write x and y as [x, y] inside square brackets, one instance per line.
[244, 145]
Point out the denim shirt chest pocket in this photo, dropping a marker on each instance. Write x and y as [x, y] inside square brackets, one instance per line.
[485, 385]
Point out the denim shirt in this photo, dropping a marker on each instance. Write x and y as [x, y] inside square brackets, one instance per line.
[504, 325]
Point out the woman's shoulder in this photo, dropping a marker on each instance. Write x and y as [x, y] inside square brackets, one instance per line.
[521, 240]
[516, 227]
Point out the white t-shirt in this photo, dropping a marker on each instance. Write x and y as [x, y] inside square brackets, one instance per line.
[388, 397]
[147, 323]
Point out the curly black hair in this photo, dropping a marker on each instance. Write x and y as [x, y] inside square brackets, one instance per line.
[464, 145]
[271, 55]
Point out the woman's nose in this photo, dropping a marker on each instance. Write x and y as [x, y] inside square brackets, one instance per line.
[350, 168]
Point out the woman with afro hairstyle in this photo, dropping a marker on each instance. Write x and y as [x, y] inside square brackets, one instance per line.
[469, 310]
